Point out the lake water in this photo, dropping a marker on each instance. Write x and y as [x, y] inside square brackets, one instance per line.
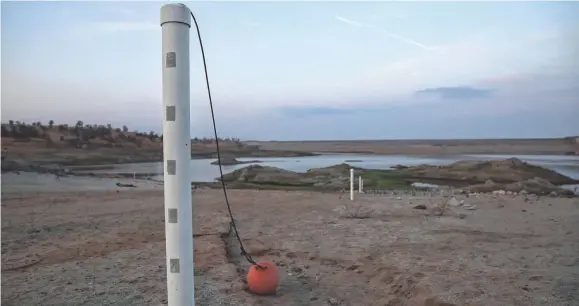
[203, 171]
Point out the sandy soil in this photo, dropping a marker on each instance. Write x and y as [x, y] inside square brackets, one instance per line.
[429, 147]
[106, 247]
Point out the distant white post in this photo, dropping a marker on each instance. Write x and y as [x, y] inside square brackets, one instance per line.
[175, 24]
[360, 184]
[351, 184]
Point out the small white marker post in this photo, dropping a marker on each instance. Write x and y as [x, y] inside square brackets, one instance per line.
[360, 184]
[351, 184]
[175, 24]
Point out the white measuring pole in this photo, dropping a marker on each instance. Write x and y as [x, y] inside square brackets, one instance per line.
[360, 183]
[175, 24]
[351, 184]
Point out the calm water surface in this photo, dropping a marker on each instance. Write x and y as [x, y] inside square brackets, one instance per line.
[203, 171]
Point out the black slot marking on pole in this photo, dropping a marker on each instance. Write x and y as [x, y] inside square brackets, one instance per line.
[174, 265]
[173, 215]
[171, 167]
[171, 60]
[170, 113]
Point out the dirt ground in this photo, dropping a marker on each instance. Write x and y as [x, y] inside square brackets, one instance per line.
[107, 248]
[429, 147]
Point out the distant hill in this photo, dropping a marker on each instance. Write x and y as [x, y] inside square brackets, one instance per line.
[92, 144]
[79, 136]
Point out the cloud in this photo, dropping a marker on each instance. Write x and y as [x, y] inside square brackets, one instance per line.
[383, 31]
[436, 121]
[456, 92]
[468, 61]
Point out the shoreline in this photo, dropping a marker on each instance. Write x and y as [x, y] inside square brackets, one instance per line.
[473, 156]
[325, 179]
[31, 183]
[38, 153]
[550, 146]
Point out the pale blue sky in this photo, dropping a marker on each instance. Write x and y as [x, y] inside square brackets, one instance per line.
[304, 70]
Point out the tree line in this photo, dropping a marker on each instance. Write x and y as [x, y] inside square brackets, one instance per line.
[82, 131]
[19, 129]
[206, 140]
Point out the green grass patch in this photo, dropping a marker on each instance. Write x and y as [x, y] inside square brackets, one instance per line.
[385, 179]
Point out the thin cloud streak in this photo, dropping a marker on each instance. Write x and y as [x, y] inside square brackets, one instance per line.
[385, 32]
[404, 39]
[350, 22]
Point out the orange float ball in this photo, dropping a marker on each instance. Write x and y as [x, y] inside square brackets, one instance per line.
[263, 280]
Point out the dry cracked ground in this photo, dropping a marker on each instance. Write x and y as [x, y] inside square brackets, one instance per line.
[107, 248]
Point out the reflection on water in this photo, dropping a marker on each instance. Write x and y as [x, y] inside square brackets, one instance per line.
[203, 171]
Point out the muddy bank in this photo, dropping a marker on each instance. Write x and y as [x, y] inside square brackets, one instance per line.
[230, 161]
[501, 171]
[553, 146]
[33, 182]
[59, 161]
[509, 174]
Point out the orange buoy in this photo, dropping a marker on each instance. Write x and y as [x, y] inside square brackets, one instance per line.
[263, 280]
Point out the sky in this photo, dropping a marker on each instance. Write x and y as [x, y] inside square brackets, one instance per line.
[302, 70]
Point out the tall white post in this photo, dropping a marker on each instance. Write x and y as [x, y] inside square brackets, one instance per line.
[175, 24]
[351, 184]
[359, 184]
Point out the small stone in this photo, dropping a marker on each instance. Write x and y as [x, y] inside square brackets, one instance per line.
[526, 288]
[453, 202]
[333, 301]
[420, 206]
[469, 207]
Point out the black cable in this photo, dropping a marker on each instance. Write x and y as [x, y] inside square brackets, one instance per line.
[243, 252]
